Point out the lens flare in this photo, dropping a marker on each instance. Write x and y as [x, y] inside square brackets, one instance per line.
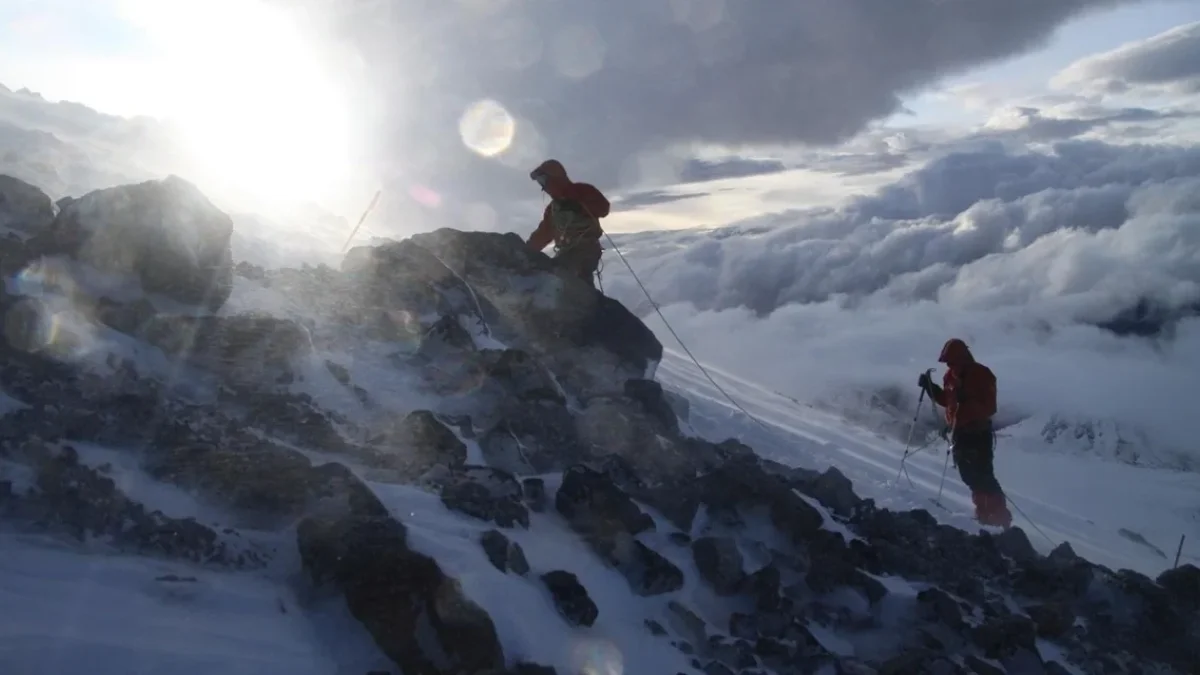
[487, 128]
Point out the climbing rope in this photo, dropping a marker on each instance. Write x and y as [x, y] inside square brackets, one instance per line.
[678, 339]
[599, 278]
[1026, 517]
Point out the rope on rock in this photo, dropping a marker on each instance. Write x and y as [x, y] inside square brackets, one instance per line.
[1026, 517]
[678, 339]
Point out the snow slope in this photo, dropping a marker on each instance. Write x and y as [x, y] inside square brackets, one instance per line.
[1057, 497]
[106, 613]
[88, 609]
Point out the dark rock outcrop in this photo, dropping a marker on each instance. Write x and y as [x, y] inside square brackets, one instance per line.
[485, 493]
[571, 598]
[417, 615]
[504, 555]
[247, 350]
[417, 443]
[720, 563]
[164, 234]
[533, 437]
[250, 476]
[24, 207]
[71, 497]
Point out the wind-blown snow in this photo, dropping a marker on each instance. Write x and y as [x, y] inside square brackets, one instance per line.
[120, 615]
[85, 608]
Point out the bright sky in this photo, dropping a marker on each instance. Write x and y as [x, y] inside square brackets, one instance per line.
[257, 103]
[1029, 72]
[267, 112]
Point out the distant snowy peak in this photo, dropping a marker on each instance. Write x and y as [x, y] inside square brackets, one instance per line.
[1104, 438]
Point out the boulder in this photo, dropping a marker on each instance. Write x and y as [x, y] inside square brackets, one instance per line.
[646, 570]
[484, 493]
[571, 598]
[591, 342]
[1183, 583]
[445, 338]
[504, 555]
[246, 350]
[746, 484]
[163, 234]
[608, 519]
[519, 373]
[533, 437]
[594, 506]
[535, 494]
[416, 443]
[720, 563]
[1003, 636]
[620, 426]
[249, 475]
[80, 501]
[651, 396]
[23, 207]
[833, 490]
[419, 617]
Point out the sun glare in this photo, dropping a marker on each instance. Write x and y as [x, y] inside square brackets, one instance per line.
[260, 113]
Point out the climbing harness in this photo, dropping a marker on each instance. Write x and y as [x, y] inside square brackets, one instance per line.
[572, 224]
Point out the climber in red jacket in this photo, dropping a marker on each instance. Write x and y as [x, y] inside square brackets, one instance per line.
[571, 221]
[968, 393]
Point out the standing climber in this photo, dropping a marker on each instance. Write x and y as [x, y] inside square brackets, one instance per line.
[571, 221]
[968, 393]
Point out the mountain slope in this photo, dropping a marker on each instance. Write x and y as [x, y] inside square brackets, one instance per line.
[444, 458]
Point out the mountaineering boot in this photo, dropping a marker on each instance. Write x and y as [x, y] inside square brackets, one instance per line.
[995, 512]
[981, 505]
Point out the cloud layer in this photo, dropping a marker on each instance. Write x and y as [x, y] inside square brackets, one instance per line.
[1168, 62]
[1050, 263]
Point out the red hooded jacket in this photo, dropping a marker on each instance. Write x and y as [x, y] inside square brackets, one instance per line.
[560, 187]
[968, 391]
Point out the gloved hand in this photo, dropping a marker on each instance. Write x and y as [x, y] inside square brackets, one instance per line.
[924, 382]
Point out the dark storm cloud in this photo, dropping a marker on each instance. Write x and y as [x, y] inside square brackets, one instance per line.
[637, 200]
[701, 170]
[601, 82]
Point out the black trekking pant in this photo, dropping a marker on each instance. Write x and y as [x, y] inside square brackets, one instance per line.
[974, 455]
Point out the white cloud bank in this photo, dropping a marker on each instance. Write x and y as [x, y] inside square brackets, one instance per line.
[1167, 63]
[1041, 260]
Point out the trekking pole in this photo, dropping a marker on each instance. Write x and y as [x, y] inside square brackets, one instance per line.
[946, 465]
[945, 468]
[1179, 551]
[908, 442]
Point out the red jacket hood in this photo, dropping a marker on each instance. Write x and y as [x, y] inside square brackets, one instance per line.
[554, 169]
[956, 354]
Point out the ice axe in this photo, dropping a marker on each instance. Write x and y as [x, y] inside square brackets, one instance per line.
[908, 443]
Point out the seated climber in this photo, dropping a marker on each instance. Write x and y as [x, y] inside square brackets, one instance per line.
[968, 393]
[571, 221]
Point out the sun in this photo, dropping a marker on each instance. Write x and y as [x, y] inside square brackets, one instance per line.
[258, 110]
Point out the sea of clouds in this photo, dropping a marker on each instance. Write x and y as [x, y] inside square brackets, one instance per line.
[1072, 270]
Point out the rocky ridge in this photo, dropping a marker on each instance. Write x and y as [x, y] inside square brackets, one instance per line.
[552, 384]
